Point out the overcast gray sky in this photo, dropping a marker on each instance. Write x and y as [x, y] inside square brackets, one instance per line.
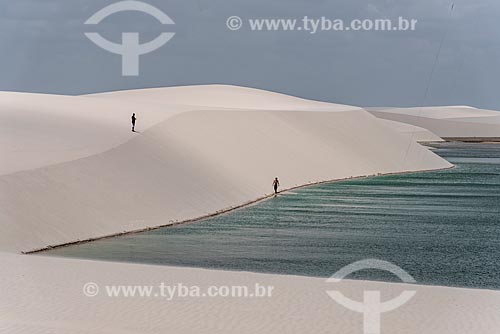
[43, 49]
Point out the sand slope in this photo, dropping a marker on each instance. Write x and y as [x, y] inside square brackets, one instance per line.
[192, 165]
[221, 96]
[41, 129]
[446, 122]
[188, 161]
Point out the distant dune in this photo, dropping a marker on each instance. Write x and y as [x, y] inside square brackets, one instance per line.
[447, 122]
[413, 132]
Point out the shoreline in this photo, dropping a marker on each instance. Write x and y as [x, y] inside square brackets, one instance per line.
[476, 140]
[220, 212]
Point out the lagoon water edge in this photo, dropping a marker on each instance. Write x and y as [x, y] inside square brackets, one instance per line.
[442, 227]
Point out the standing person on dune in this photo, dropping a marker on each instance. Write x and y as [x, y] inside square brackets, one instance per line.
[133, 122]
[276, 184]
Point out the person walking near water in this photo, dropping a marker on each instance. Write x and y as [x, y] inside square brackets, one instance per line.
[276, 184]
[133, 122]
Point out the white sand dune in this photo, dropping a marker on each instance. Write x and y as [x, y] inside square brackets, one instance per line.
[417, 133]
[447, 122]
[221, 96]
[80, 173]
[194, 161]
[40, 129]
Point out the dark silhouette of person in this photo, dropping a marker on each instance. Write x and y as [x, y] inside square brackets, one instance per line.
[276, 184]
[133, 122]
